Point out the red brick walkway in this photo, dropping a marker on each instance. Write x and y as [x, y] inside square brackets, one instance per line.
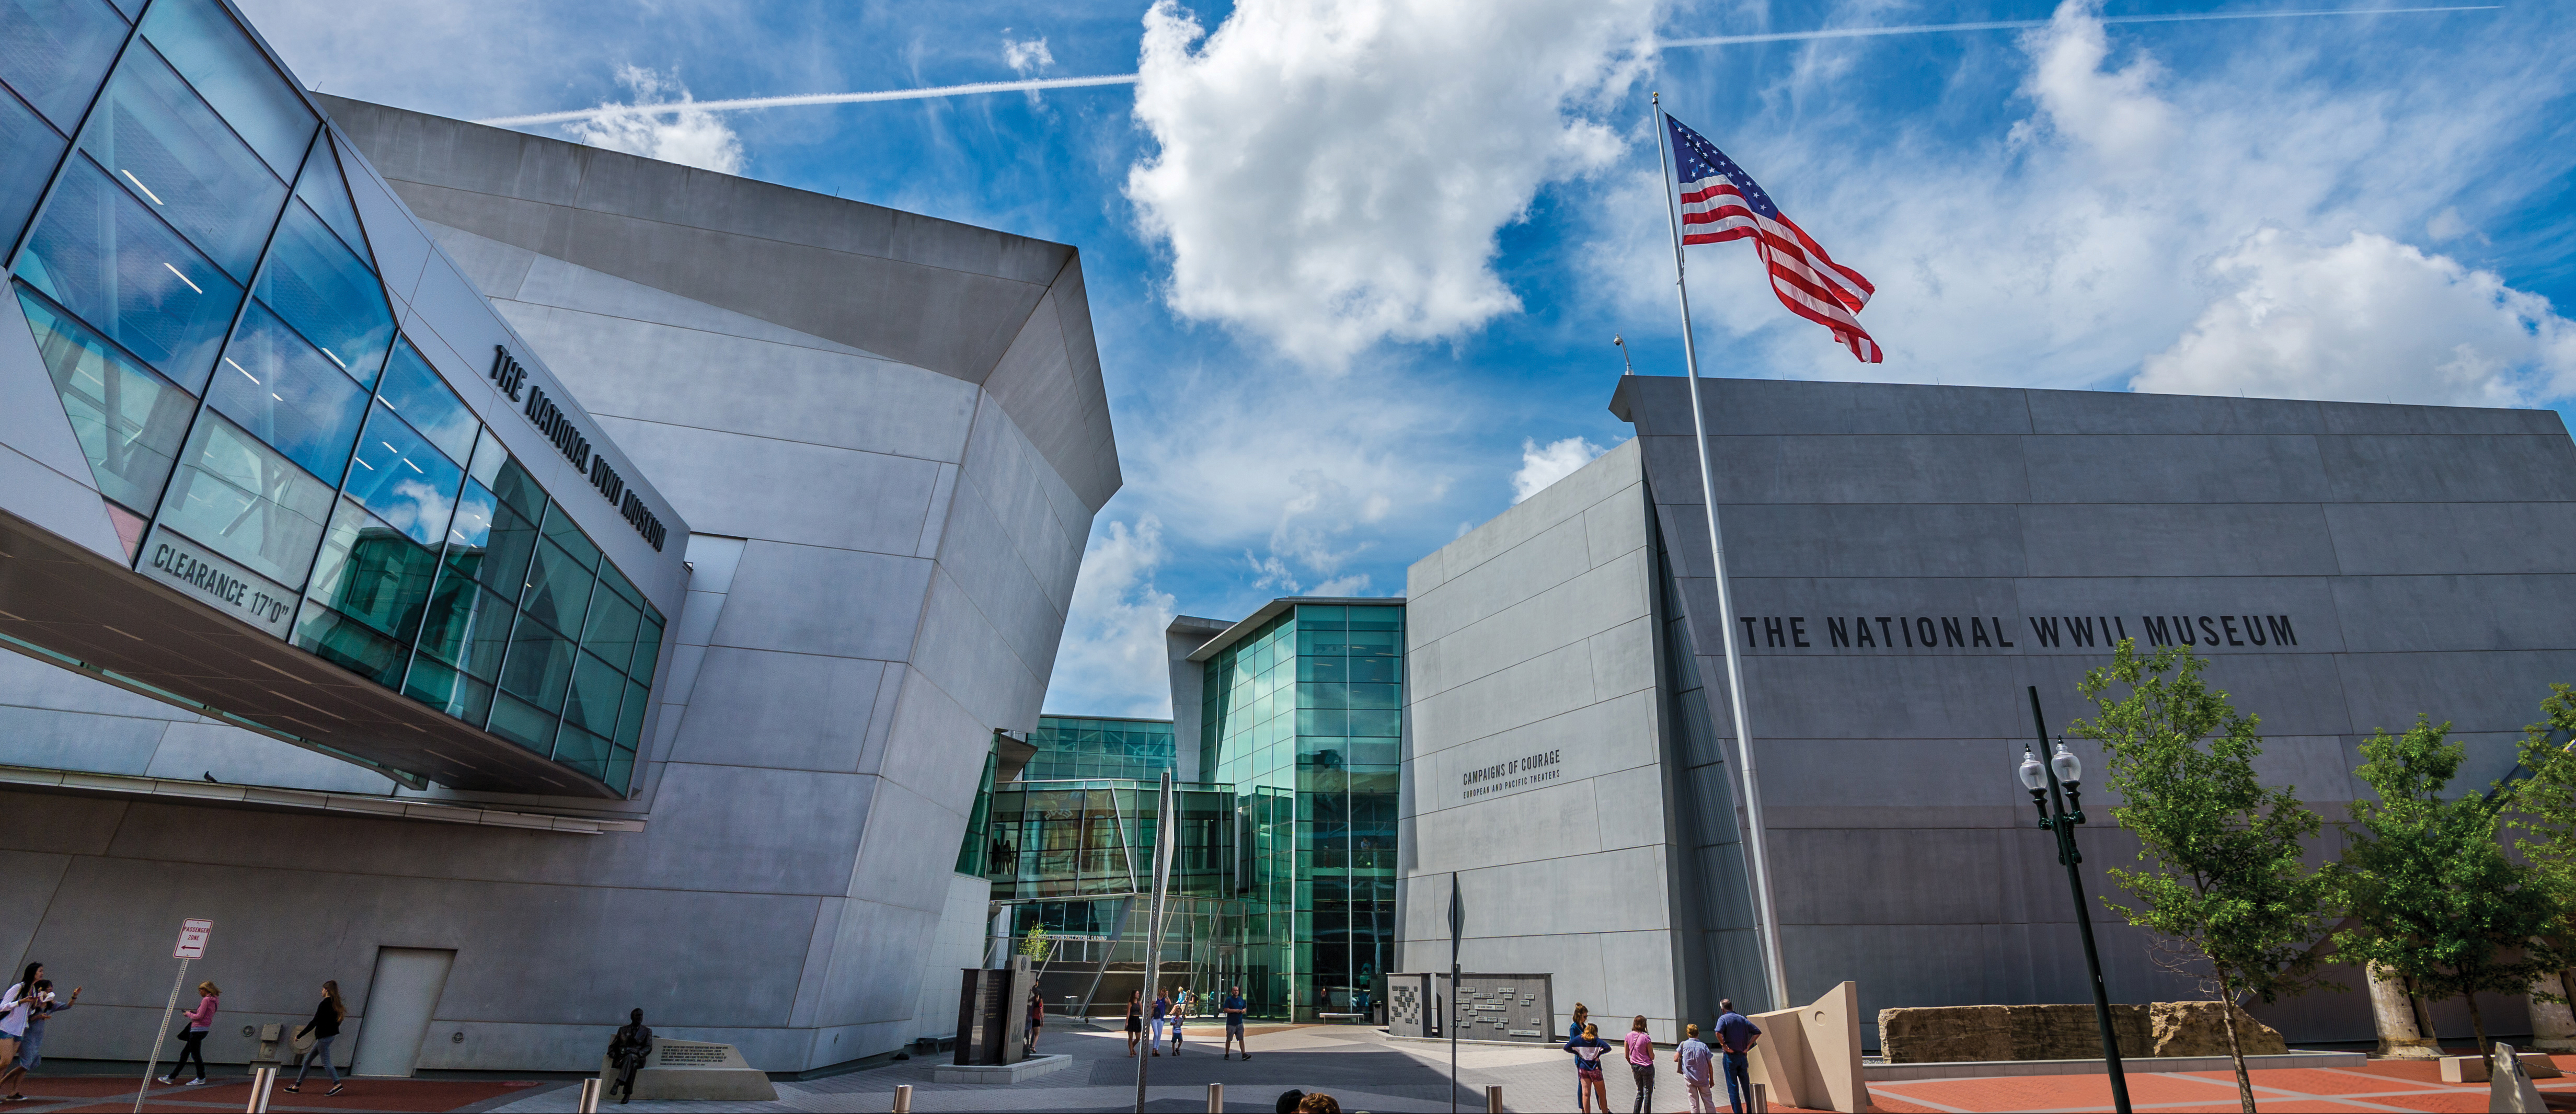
[2386, 1085]
[99, 1095]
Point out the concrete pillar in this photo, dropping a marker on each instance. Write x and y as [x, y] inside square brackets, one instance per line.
[2553, 1026]
[2399, 1039]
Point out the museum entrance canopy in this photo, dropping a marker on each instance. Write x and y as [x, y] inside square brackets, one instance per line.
[271, 457]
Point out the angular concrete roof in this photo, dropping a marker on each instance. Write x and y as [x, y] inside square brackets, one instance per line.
[1008, 312]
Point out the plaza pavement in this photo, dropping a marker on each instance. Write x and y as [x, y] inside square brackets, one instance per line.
[1360, 1067]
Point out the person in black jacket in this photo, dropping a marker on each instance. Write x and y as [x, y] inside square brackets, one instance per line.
[628, 1048]
[325, 1025]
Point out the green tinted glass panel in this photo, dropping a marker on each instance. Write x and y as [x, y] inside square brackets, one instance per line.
[561, 530]
[539, 668]
[350, 644]
[318, 286]
[518, 721]
[1372, 696]
[1375, 669]
[371, 572]
[463, 615]
[240, 498]
[34, 146]
[630, 715]
[610, 631]
[448, 691]
[596, 689]
[471, 529]
[55, 52]
[129, 420]
[1380, 643]
[170, 151]
[211, 51]
[512, 483]
[1387, 724]
[621, 769]
[502, 563]
[648, 646]
[582, 751]
[1321, 721]
[558, 592]
[102, 255]
[1377, 618]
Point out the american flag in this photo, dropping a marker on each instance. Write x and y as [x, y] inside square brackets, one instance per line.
[1721, 202]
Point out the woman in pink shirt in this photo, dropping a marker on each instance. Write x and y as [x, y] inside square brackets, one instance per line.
[1641, 1064]
[192, 1040]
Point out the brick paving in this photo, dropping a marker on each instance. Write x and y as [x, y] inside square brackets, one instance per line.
[1358, 1066]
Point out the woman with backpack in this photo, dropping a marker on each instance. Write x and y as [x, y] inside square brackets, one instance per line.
[320, 1031]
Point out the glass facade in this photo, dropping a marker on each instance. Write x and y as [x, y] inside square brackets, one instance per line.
[1139, 749]
[1303, 718]
[185, 253]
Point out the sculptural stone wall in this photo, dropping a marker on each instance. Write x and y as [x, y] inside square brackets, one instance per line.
[1949, 1034]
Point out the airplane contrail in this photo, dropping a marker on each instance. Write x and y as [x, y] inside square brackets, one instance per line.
[1031, 84]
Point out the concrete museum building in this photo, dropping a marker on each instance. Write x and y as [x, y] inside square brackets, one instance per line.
[1904, 561]
[516, 580]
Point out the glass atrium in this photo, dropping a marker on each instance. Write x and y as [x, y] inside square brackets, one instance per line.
[186, 255]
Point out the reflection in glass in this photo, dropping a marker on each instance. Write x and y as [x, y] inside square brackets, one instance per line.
[207, 48]
[529, 726]
[239, 498]
[417, 393]
[55, 52]
[372, 573]
[99, 254]
[561, 530]
[398, 476]
[166, 148]
[621, 769]
[596, 689]
[313, 282]
[503, 563]
[280, 389]
[467, 626]
[539, 668]
[489, 456]
[129, 420]
[558, 588]
[322, 188]
[517, 489]
[630, 715]
[582, 751]
[347, 643]
[648, 646]
[610, 631]
[448, 691]
[471, 529]
[34, 149]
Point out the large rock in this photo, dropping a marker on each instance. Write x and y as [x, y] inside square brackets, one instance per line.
[1950, 1034]
[2195, 1029]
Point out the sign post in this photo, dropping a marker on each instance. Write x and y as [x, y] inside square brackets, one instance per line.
[193, 934]
[1457, 928]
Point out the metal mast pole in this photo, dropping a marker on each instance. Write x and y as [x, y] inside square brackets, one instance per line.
[1757, 843]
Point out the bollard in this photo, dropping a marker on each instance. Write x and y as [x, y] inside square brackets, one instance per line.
[1494, 1098]
[260, 1083]
[1216, 1098]
[588, 1103]
[1761, 1099]
[903, 1098]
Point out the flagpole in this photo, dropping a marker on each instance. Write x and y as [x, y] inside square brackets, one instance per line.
[1757, 843]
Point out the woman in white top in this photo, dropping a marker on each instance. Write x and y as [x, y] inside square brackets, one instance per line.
[15, 1004]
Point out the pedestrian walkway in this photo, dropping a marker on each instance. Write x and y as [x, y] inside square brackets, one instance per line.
[106, 1095]
[2401, 1085]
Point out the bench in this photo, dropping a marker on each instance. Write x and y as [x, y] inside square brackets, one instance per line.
[1343, 1018]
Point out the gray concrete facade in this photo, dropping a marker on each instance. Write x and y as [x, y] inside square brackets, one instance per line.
[2420, 559]
[886, 436]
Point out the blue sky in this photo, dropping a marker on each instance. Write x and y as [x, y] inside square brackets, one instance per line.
[1355, 264]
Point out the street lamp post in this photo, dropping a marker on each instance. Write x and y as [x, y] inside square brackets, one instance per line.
[2052, 784]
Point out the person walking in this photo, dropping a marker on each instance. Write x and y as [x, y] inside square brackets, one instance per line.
[1180, 1009]
[1162, 1013]
[1641, 1065]
[192, 1040]
[324, 1027]
[1588, 1049]
[1135, 1020]
[1736, 1036]
[27, 1004]
[1692, 1059]
[1234, 1007]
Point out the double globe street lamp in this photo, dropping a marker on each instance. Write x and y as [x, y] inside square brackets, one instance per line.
[2053, 791]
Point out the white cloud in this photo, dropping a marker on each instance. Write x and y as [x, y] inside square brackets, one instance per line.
[1026, 56]
[1113, 655]
[687, 136]
[2064, 249]
[1332, 174]
[1541, 466]
[2368, 320]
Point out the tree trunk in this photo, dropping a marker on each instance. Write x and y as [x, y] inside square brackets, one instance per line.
[2478, 1024]
[2423, 1017]
[2235, 1050]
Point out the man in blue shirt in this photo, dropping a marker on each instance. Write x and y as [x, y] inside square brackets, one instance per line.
[1736, 1035]
[1692, 1059]
[1234, 1007]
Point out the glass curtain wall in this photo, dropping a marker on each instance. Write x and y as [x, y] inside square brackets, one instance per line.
[1070, 747]
[1303, 718]
[187, 258]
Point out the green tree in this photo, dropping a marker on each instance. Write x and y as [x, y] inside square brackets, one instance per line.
[2225, 882]
[1037, 945]
[2544, 812]
[2433, 895]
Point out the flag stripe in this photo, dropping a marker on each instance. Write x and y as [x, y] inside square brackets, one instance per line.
[1719, 203]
